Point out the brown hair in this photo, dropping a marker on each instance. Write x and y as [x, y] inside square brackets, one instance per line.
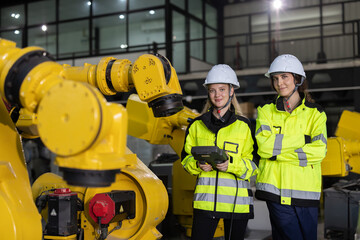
[303, 88]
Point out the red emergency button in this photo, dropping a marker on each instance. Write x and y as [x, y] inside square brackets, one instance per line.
[100, 209]
[102, 206]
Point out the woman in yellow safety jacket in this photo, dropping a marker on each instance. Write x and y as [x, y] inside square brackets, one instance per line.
[291, 137]
[224, 191]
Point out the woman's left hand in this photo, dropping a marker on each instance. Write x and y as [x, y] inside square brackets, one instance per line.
[223, 166]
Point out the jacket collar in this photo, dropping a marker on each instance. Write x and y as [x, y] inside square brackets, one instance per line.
[279, 102]
[206, 119]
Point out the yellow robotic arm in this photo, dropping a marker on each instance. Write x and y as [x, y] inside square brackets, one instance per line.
[72, 118]
[153, 77]
[88, 136]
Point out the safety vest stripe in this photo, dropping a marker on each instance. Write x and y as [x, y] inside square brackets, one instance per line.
[319, 137]
[308, 195]
[262, 128]
[268, 188]
[278, 144]
[300, 194]
[187, 161]
[254, 167]
[302, 157]
[209, 197]
[223, 182]
[244, 175]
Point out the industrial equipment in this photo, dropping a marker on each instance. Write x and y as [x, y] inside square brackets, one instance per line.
[341, 201]
[105, 191]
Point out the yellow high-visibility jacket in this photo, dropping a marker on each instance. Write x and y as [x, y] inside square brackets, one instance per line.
[291, 148]
[215, 190]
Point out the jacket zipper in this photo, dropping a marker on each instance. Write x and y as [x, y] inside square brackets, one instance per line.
[217, 177]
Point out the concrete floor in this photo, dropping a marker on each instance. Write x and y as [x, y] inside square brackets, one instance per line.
[259, 228]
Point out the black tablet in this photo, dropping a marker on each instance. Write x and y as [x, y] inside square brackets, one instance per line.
[211, 154]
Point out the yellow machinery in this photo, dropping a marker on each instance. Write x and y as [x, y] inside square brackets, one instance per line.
[106, 192]
[341, 200]
[343, 151]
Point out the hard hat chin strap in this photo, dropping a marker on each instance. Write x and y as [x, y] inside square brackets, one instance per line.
[297, 85]
[218, 110]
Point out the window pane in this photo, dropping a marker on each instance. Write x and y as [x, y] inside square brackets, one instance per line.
[138, 4]
[13, 16]
[293, 34]
[70, 9]
[41, 12]
[178, 3]
[74, 39]
[211, 46]
[196, 30]
[196, 47]
[352, 11]
[332, 13]
[195, 8]
[259, 23]
[14, 35]
[178, 22]
[45, 39]
[110, 34]
[296, 18]
[108, 6]
[178, 62]
[146, 28]
[210, 16]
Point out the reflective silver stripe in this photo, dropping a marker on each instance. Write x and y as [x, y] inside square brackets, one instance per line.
[307, 195]
[300, 194]
[254, 167]
[278, 144]
[319, 137]
[262, 128]
[244, 175]
[223, 182]
[268, 188]
[187, 161]
[302, 157]
[204, 197]
[209, 197]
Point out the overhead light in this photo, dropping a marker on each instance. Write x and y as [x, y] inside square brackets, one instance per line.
[277, 4]
[123, 46]
[88, 3]
[152, 12]
[121, 16]
[15, 15]
[44, 28]
[16, 32]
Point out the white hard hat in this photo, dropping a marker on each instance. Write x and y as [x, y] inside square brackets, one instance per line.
[286, 63]
[222, 73]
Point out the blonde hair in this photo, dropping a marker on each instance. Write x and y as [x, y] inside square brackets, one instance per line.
[234, 103]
